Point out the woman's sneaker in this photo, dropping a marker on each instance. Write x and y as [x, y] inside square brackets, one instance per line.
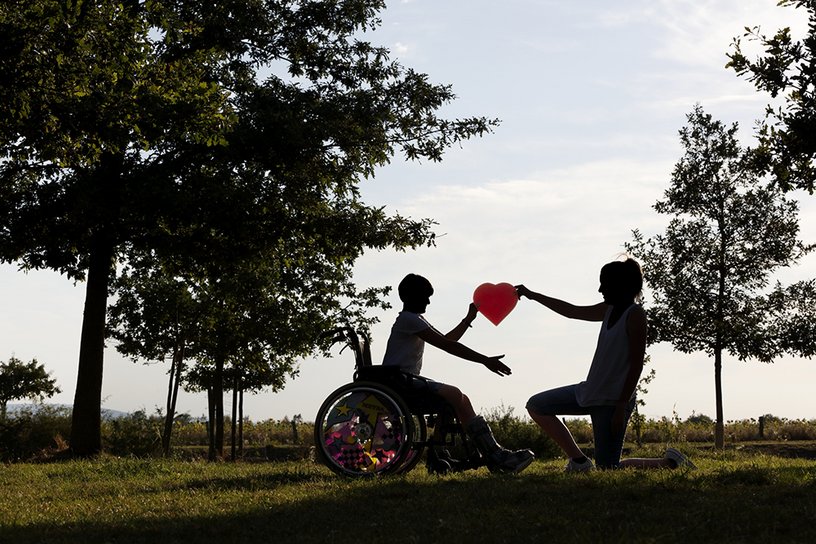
[678, 459]
[574, 466]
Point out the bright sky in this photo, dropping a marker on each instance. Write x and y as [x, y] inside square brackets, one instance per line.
[591, 95]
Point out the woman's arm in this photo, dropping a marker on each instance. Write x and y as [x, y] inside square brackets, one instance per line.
[636, 331]
[596, 312]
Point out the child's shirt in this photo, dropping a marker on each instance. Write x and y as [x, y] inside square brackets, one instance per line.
[405, 348]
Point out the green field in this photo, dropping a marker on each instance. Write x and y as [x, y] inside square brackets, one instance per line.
[736, 496]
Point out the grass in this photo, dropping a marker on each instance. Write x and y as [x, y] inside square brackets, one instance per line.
[732, 497]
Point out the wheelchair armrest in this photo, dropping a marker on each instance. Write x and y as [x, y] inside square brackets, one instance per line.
[380, 373]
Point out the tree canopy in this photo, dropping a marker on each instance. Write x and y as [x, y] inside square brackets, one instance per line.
[787, 70]
[203, 134]
[710, 272]
[19, 380]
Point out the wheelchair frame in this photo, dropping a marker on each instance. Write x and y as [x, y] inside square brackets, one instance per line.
[378, 423]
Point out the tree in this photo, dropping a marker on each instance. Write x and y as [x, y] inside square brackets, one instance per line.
[787, 135]
[154, 318]
[19, 380]
[207, 133]
[235, 326]
[709, 272]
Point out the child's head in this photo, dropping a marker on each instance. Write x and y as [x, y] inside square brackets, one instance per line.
[415, 293]
[621, 281]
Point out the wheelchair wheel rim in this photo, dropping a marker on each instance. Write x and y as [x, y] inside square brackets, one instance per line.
[364, 432]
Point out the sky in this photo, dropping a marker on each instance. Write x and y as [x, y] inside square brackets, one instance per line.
[591, 96]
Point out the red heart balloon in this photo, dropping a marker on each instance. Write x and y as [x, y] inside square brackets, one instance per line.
[495, 301]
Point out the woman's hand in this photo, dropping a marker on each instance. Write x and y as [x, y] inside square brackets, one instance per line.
[522, 291]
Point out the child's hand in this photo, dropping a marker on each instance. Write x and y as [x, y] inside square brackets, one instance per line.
[473, 310]
[494, 364]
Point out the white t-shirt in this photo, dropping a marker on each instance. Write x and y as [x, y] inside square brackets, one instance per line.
[405, 348]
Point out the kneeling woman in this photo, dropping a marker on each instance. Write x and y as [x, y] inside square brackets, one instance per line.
[608, 393]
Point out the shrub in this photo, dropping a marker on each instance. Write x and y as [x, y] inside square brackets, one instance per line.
[34, 431]
[515, 433]
[136, 434]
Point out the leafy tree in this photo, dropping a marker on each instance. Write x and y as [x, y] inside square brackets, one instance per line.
[154, 318]
[237, 327]
[709, 272]
[206, 133]
[788, 69]
[19, 380]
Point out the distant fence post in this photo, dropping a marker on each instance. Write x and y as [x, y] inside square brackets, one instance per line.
[761, 427]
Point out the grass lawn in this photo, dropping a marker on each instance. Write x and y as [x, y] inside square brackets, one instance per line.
[732, 497]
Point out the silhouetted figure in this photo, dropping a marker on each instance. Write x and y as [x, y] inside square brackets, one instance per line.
[608, 393]
[405, 349]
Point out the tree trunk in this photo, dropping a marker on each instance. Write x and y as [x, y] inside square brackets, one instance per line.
[172, 398]
[234, 426]
[719, 428]
[86, 420]
[218, 408]
[168, 416]
[722, 274]
[241, 422]
[212, 456]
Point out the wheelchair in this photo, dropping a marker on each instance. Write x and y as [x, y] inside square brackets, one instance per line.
[378, 424]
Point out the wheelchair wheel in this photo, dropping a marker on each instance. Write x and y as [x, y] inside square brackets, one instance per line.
[365, 429]
[414, 454]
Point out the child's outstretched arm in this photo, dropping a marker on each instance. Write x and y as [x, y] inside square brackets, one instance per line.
[494, 363]
[595, 312]
[459, 330]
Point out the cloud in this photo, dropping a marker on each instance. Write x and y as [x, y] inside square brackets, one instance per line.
[693, 29]
[514, 228]
[401, 49]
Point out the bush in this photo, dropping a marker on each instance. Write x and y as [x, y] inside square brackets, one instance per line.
[33, 432]
[515, 433]
[284, 431]
[136, 434]
[40, 430]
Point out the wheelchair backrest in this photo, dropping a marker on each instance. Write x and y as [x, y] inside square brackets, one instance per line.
[357, 341]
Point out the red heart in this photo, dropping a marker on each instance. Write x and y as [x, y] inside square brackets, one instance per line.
[495, 301]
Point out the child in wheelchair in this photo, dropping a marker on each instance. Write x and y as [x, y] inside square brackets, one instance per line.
[405, 349]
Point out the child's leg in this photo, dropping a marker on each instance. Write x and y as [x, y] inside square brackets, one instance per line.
[458, 400]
